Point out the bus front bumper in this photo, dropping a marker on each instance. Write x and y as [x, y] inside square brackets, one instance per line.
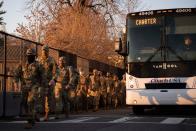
[161, 97]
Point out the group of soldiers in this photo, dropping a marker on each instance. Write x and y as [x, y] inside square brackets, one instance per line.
[49, 87]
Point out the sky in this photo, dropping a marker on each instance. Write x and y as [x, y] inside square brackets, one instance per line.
[15, 9]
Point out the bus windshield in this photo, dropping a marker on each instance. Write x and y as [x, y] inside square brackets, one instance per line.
[170, 38]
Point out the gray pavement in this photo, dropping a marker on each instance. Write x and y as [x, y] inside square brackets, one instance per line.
[110, 120]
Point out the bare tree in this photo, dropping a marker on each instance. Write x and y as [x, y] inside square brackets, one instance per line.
[1, 12]
[83, 27]
[35, 28]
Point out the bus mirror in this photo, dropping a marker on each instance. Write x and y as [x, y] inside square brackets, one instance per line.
[123, 51]
[118, 45]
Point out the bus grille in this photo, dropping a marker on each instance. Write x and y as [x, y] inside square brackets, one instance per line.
[165, 85]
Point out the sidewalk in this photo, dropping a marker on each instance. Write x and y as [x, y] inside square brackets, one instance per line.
[121, 112]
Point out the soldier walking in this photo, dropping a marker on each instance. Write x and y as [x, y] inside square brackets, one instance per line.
[18, 77]
[60, 88]
[110, 86]
[116, 97]
[83, 85]
[123, 90]
[103, 93]
[32, 77]
[71, 87]
[95, 87]
[50, 67]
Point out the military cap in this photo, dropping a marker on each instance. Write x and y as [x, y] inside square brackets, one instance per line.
[45, 47]
[99, 72]
[95, 71]
[30, 51]
[61, 58]
[108, 74]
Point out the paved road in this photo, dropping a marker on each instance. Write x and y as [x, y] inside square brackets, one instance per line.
[112, 120]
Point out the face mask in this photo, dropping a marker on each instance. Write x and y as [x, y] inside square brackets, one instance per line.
[30, 59]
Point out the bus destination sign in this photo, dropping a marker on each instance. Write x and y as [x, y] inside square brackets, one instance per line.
[146, 21]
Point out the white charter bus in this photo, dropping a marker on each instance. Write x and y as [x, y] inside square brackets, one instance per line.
[160, 58]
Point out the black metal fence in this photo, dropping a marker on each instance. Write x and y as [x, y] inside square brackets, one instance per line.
[12, 53]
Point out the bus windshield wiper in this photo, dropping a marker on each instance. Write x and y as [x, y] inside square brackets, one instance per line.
[153, 55]
[174, 52]
[167, 47]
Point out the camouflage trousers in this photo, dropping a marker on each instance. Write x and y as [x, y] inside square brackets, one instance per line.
[114, 101]
[72, 99]
[120, 99]
[58, 97]
[78, 103]
[84, 102]
[109, 100]
[81, 102]
[41, 100]
[81, 98]
[103, 97]
[67, 100]
[49, 100]
[32, 103]
[23, 104]
[96, 99]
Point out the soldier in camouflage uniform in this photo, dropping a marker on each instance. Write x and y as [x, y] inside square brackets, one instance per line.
[83, 87]
[116, 95]
[95, 87]
[78, 99]
[110, 86]
[72, 87]
[103, 92]
[50, 67]
[123, 90]
[32, 77]
[19, 78]
[89, 96]
[61, 83]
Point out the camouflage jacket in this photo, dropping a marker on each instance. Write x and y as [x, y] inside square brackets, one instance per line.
[109, 84]
[63, 76]
[83, 80]
[74, 79]
[50, 67]
[103, 84]
[123, 85]
[30, 75]
[83, 84]
[95, 82]
[117, 87]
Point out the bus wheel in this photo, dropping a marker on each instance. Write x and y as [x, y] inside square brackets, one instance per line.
[138, 110]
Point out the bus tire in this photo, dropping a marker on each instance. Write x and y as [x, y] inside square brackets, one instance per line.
[138, 110]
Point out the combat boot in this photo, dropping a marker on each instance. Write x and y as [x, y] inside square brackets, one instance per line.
[37, 118]
[66, 115]
[104, 106]
[56, 117]
[46, 117]
[96, 109]
[108, 107]
[29, 124]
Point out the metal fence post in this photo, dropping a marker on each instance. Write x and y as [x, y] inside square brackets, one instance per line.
[5, 75]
